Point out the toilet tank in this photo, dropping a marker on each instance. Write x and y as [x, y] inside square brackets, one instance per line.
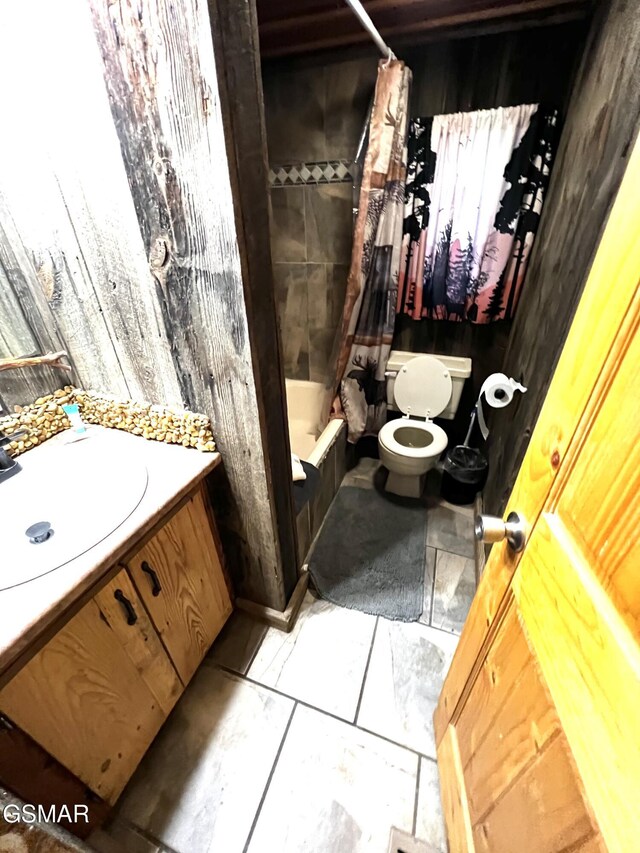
[459, 369]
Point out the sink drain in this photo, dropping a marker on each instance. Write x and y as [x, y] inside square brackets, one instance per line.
[39, 532]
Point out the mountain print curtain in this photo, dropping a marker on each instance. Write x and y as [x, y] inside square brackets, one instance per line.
[372, 287]
[475, 187]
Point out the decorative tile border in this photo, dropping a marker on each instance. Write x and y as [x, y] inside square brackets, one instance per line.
[323, 172]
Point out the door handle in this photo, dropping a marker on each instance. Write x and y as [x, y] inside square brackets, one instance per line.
[490, 529]
[156, 589]
[128, 606]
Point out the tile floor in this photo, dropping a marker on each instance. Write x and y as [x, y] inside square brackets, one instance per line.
[318, 740]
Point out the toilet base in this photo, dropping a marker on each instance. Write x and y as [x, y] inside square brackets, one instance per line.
[405, 485]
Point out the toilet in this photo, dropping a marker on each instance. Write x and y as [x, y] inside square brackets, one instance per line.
[422, 387]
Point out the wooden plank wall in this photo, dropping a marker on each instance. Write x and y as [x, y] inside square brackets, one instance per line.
[601, 125]
[119, 222]
[18, 338]
[74, 227]
[235, 32]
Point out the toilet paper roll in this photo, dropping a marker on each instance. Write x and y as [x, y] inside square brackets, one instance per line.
[498, 390]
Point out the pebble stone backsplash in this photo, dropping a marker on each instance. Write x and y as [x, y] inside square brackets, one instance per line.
[46, 417]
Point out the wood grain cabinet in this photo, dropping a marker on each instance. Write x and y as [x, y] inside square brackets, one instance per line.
[95, 696]
[179, 577]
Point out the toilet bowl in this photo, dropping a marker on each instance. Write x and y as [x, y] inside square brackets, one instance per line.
[410, 446]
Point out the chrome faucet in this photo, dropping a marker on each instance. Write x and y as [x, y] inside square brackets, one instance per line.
[8, 465]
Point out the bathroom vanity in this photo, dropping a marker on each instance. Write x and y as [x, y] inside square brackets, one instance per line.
[95, 654]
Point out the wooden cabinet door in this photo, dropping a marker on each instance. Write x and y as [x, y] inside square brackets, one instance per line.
[96, 695]
[547, 758]
[179, 576]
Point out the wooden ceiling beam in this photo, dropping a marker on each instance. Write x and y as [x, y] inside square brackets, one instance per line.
[305, 38]
[268, 10]
[303, 16]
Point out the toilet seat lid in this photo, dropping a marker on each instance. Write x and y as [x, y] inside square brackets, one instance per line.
[422, 387]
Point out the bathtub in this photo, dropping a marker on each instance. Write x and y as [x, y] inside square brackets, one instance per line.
[325, 448]
[304, 410]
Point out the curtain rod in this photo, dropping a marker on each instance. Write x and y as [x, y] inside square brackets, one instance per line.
[367, 23]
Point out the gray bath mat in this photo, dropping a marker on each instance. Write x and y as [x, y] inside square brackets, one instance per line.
[371, 553]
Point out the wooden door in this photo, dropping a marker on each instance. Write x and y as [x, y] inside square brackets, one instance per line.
[179, 576]
[538, 723]
[96, 695]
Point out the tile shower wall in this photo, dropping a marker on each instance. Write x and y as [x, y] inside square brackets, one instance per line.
[314, 115]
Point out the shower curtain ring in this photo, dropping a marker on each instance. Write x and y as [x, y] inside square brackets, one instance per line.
[391, 56]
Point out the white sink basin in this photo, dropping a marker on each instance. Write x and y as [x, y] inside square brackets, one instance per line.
[80, 489]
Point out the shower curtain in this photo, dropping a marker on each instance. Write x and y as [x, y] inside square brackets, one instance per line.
[372, 286]
[475, 187]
